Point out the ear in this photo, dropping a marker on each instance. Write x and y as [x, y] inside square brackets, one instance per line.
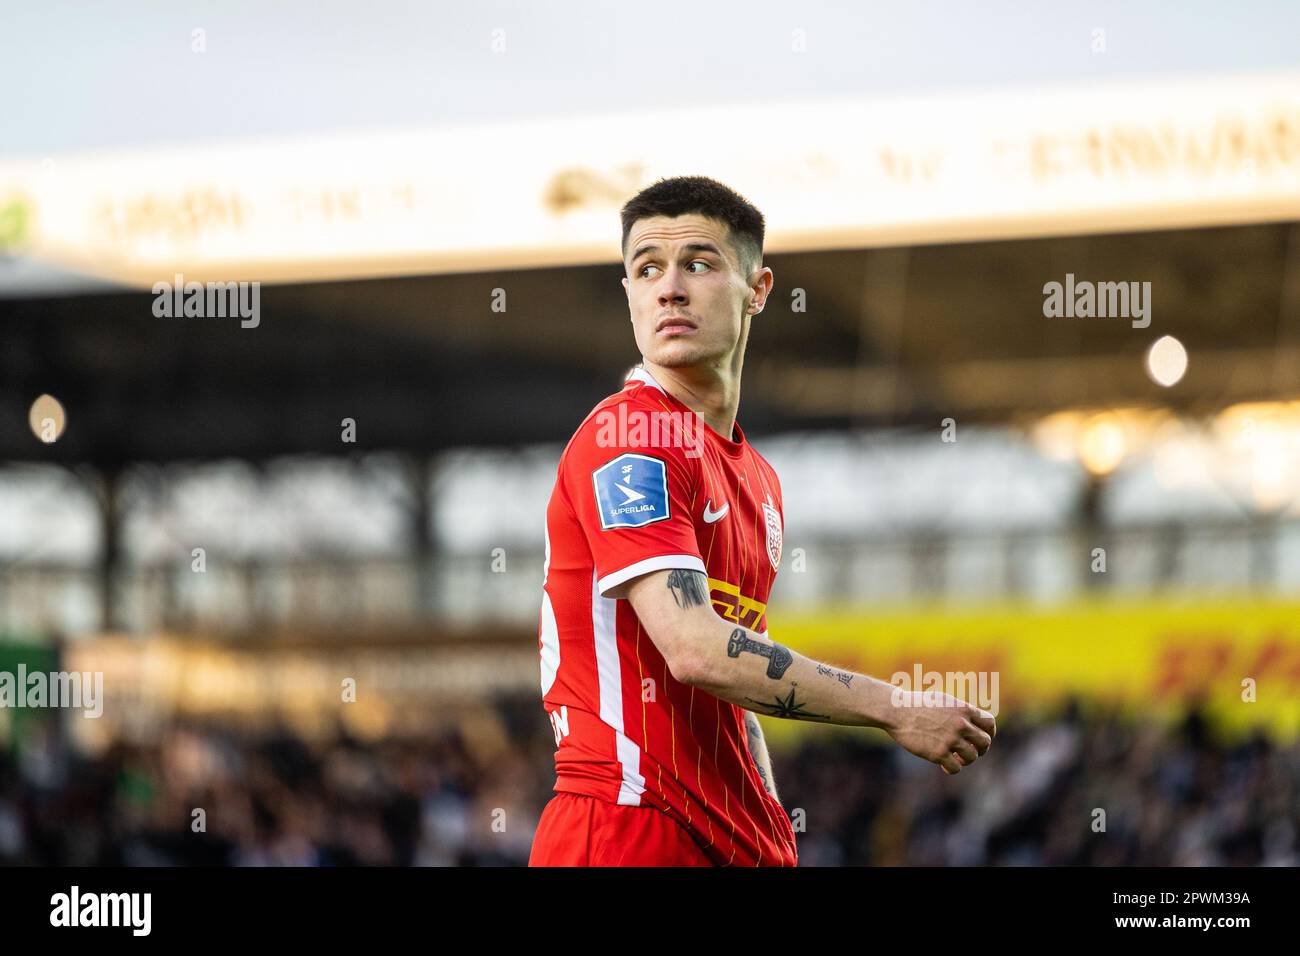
[761, 290]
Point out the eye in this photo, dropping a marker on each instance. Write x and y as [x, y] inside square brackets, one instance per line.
[695, 262]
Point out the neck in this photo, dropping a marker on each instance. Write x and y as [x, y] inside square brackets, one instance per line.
[712, 393]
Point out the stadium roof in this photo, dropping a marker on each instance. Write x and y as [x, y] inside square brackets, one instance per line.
[895, 336]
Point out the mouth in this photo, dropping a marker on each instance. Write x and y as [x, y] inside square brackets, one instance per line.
[675, 325]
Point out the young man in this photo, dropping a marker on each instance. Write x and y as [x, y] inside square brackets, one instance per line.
[663, 538]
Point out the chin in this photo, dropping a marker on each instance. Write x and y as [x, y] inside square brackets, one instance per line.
[680, 355]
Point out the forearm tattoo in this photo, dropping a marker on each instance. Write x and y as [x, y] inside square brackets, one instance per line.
[844, 677]
[690, 588]
[778, 658]
[788, 707]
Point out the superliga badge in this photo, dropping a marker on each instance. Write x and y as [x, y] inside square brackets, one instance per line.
[773, 533]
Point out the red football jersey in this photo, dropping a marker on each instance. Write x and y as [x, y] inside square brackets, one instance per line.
[644, 485]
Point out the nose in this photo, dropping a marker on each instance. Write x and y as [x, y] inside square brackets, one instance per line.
[672, 291]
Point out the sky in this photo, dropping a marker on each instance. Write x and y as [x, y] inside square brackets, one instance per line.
[79, 75]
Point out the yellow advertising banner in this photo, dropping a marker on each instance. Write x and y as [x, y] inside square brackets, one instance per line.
[1239, 658]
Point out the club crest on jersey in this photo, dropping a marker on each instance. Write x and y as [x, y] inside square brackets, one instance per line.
[631, 491]
[773, 533]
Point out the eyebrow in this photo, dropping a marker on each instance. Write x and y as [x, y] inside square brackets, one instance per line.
[689, 247]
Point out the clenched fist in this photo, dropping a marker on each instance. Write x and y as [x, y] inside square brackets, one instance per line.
[941, 728]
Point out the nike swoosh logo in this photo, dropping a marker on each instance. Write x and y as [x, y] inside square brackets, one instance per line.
[710, 515]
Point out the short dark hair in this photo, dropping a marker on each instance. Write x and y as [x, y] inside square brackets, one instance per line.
[682, 195]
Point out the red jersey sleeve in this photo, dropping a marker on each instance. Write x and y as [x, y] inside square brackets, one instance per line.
[632, 499]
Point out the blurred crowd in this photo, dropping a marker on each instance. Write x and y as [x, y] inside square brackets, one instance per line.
[1076, 788]
[1072, 790]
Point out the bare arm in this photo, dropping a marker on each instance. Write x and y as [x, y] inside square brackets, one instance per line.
[754, 672]
[758, 749]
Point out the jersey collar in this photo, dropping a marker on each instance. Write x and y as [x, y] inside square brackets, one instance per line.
[639, 374]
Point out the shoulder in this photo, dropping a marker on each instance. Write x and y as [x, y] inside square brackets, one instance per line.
[770, 479]
[764, 464]
[626, 422]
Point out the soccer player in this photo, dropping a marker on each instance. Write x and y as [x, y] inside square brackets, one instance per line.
[663, 538]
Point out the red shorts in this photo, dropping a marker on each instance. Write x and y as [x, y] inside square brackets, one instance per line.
[577, 830]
